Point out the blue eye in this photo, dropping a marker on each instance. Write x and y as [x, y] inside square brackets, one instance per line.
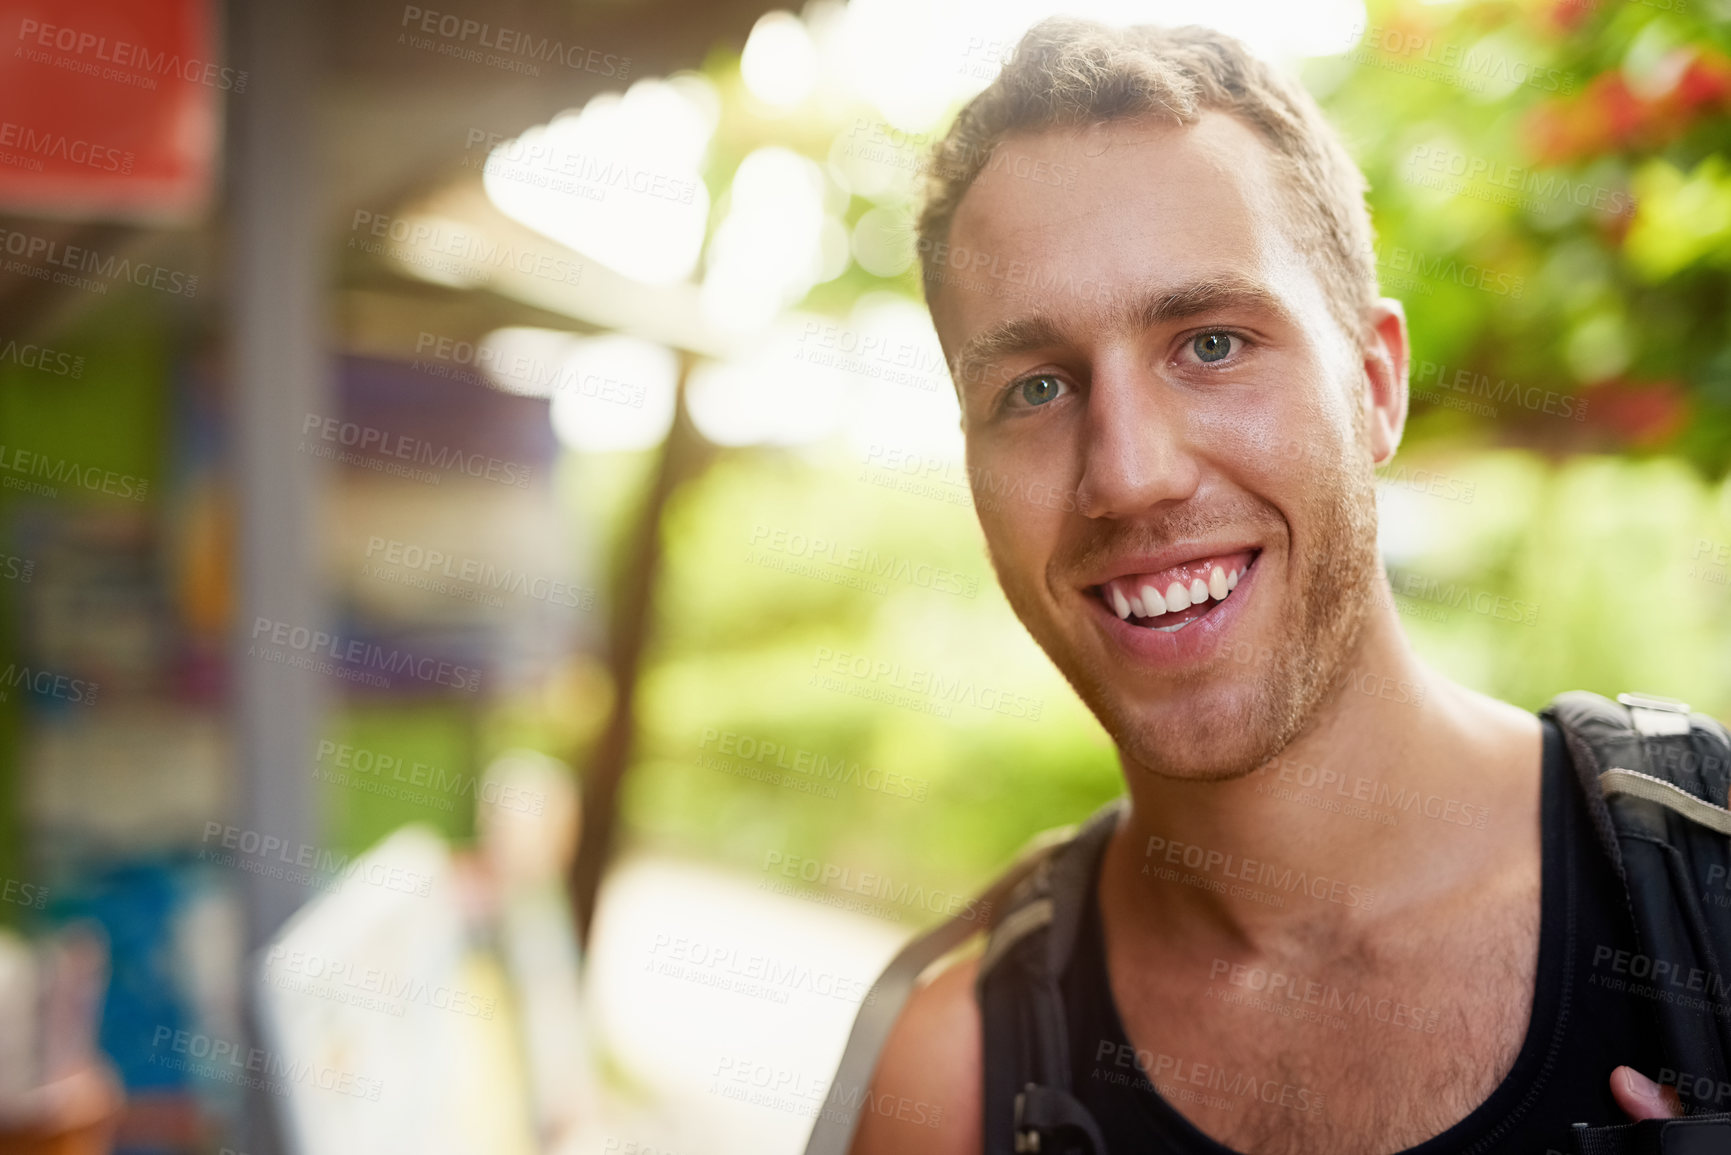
[1038, 389]
[1212, 346]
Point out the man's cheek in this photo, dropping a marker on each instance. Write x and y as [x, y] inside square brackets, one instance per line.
[1021, 536]
[1011, 541]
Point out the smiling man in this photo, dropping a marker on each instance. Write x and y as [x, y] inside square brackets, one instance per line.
[1185, 336]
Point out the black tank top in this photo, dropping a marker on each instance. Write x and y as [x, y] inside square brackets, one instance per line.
[1582, 1025]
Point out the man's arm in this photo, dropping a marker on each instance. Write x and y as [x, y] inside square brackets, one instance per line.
[925, 1094]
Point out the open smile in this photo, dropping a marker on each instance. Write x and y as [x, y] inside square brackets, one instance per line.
[1170, 599]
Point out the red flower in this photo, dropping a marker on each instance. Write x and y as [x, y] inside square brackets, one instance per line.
[1707, 81]
[1609, 116]
[1569, 15]
[1643, 416]
[1623, 115]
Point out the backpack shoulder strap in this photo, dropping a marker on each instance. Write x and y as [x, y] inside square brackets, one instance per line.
[1648, 747]
[1655, 778]
[1026, 1102]
[838, 1119]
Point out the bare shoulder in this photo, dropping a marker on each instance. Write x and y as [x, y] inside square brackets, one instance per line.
[925, 1095]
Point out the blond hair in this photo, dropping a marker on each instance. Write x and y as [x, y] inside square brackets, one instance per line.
[1068, 73]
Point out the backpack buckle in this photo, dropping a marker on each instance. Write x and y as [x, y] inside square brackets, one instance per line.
[1051, 1121]
[1027, 1138]
[1656, 717]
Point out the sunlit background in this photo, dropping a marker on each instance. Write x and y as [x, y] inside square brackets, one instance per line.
[476, 606]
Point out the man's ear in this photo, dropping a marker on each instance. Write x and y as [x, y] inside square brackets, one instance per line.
[1386, 356]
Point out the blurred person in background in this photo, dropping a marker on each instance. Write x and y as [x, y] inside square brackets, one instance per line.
[527, 819]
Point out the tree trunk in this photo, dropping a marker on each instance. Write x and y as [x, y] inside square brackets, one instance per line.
[684, 455]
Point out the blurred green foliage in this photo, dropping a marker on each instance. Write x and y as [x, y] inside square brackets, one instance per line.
[1552, 202]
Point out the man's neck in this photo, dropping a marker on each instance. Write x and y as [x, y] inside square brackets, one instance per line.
[1327, 835]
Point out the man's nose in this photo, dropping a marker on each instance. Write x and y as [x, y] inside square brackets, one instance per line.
[1135, 452]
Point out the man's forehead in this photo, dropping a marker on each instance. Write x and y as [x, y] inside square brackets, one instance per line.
[1115, 208]
[1065, 180]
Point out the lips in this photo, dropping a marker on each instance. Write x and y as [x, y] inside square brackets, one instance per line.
[1169, 599]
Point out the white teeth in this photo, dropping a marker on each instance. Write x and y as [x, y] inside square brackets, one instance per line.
[1148, 602]
[1152, 599]
[1217, 584]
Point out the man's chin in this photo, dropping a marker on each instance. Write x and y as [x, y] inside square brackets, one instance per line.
[1203, 740]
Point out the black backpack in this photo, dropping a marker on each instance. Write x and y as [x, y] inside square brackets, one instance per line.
[1656, 779]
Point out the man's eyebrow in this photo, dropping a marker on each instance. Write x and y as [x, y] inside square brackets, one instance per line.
[1004, 339]
[1138, 312]
[1145, 310]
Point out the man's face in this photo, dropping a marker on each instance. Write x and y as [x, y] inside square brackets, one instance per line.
[1159, 410]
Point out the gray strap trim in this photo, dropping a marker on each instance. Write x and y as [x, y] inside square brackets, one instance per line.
[1025, 921]
[838, 1119]
[1617, 780]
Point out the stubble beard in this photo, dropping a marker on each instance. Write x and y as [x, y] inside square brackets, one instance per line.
[1251, 699]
